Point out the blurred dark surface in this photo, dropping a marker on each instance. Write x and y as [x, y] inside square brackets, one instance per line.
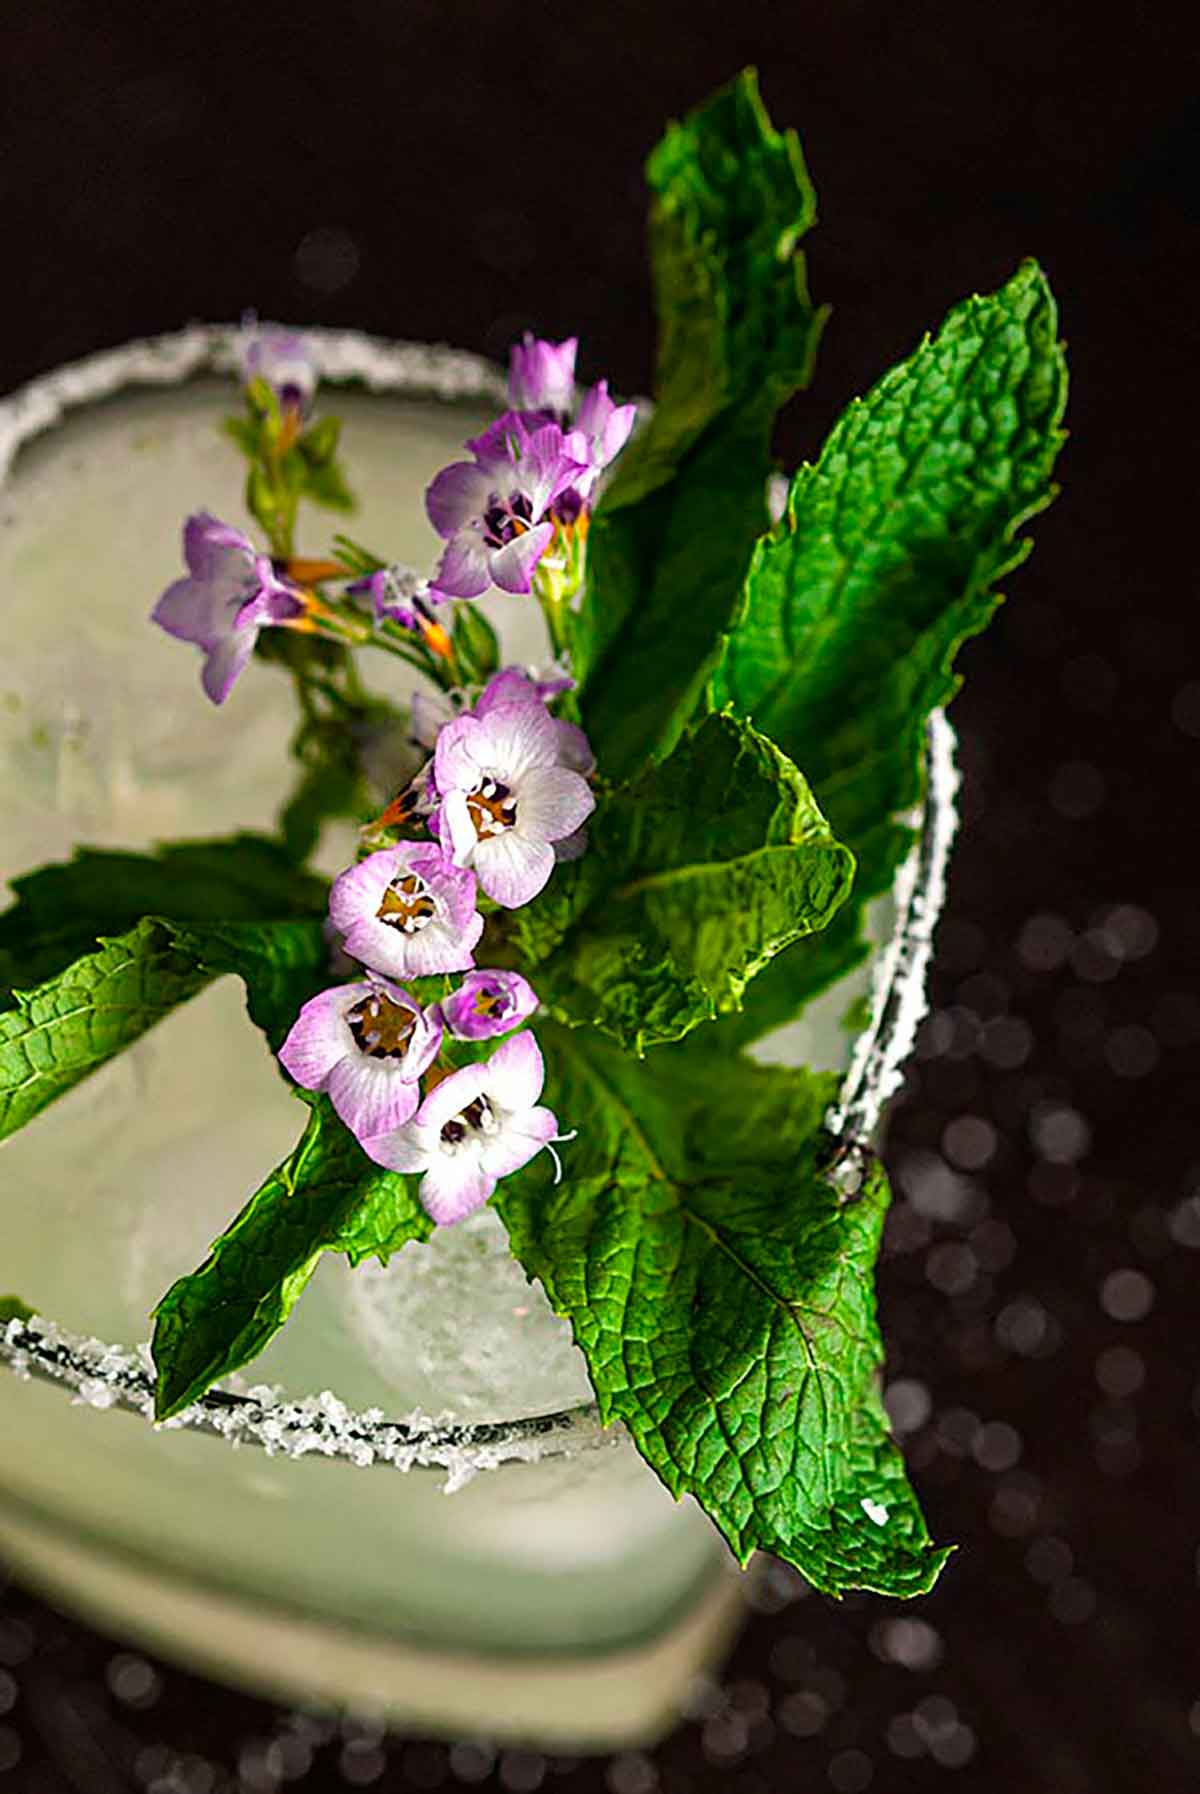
[459, 172]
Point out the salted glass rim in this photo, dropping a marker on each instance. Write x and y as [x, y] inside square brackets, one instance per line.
[115, 1376]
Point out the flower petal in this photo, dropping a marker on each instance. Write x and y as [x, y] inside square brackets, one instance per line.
[428, 712]
[225, 662]
[440, 947]
[617, 432]
[519, 1143]
[213, 550]
[500, 448]
[319, 1036]
[541, 374]
[553, 802]
[511, 685]
[403, 1149]
[372, 1096]
[457, 820]
[457, 496]
[426, 1040]
[192, 611]
[511, 740]
[461, 755]
[574, 748]
[464, 569]
[511, 567]
[358, 892]
[454, 1186]
[548, 467]
[512, 869]
[516, 1072]
[452, 1096]
[571, 847]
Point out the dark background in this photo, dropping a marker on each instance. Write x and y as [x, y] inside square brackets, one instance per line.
[461, 171]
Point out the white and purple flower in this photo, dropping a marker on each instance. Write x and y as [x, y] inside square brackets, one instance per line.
[604, 428]
[430, 711]
[492, 511]
[488, 1003]
[477, 1126]
[367, 1045]
[282, 358]
[407, 911]
[397, 594]
[231, 592]
[541, 376]
[541, 383]
[506, 798]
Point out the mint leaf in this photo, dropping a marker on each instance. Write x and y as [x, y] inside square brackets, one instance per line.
[672, 535]
[328, 486]
[386, 1218]
[330, 785]
[61, 910]
[326, 1196]
[857, 602]
[315, 468]
[282, 964]
[63, 1029]
[695, 875]
[13, 1309]
[722, 1295]
[476, 645]
[67, 1005]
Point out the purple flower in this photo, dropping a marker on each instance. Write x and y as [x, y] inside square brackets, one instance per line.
[429, 712]
[488, 1003]
[397, 593]
[283, 359]
[478, 1125]
[490, 511]
[506, 798]
[366, 1044]
[541, 376]
[513, 685]
[230, 593]
[604, 428]
[541, 383]
[407, 911]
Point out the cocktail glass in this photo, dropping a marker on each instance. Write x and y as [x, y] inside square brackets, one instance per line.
[424, 1519]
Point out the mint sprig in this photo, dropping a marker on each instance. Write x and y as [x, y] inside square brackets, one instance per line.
[856, 604]
[673, 534]
[756, 700]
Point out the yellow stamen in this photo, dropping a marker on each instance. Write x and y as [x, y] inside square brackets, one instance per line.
[436, 638]
[310, 573]
[290, 427]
